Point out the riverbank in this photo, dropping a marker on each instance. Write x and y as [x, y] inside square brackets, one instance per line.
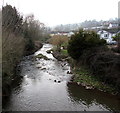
[83, 76]
[7, 81]
[37, 45]
[18, 41]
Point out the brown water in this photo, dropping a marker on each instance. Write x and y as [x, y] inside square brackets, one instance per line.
[38, 91]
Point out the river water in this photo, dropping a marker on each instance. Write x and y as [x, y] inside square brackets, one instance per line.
[44, 87]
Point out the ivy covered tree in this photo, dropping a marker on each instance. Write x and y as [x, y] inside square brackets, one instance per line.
[81, 41]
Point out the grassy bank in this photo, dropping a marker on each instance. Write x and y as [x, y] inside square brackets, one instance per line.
[84, 76]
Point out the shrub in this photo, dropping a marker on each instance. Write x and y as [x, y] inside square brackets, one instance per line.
[59, 40]
[106, 65]
[82, 41]
[103, 63]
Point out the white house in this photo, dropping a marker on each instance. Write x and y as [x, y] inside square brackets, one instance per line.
[112, 25]
[70, 34]
[107, 35]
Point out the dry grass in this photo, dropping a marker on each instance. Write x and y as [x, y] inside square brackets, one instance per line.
[58, 40]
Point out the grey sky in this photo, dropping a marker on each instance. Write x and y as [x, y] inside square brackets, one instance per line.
[54, 12]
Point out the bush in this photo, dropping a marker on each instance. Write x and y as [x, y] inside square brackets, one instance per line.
[87, 57]
[82, 41]
[103, 63]
[106, 65]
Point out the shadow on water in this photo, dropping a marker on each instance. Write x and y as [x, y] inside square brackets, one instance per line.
[88, 97]
[16, 85]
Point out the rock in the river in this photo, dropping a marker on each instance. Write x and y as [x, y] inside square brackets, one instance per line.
[21, 76]
[43, 69]
[88, 87]
[59, 81]
[49, 51]
[78, 83]
[68, 72]
[83, 84]
[32, 64]
[41, 56]
[55, 80]
[38, 67]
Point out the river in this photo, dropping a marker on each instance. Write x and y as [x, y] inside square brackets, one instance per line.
[44, 87]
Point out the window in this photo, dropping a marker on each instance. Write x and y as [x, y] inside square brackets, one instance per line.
[105, 35]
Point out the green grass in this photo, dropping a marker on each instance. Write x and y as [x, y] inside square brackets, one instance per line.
[40, 56]
[83, 75]
[64, 52]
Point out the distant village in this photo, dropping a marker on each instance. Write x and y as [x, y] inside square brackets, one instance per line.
[106, 31]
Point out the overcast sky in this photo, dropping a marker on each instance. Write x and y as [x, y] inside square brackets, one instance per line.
[54, 12]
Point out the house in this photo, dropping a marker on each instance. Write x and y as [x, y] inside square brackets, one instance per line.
[107, 34]
[112, 25]
[70, 34]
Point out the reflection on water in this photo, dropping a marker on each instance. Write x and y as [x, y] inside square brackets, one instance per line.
[44, 88]
[90, 97]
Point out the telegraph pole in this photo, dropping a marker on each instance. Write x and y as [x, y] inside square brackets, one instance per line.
[3, 3]
[118, 26]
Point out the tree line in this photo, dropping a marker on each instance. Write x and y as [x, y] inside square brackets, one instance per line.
[20, 37]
